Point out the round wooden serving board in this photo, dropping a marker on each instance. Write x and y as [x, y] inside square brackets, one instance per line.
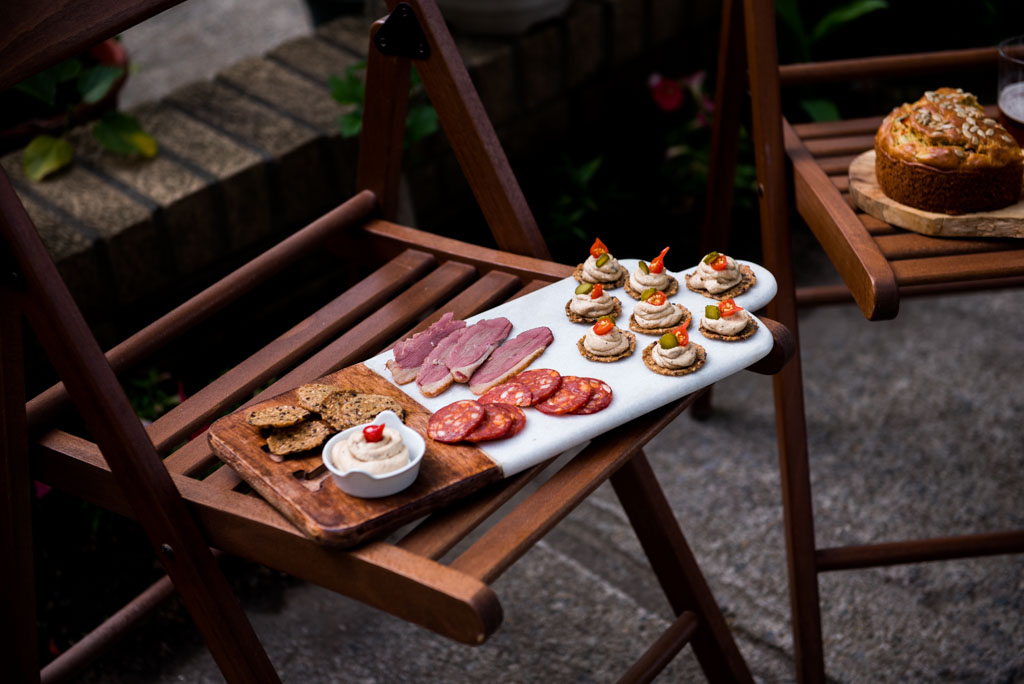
[1006, 222]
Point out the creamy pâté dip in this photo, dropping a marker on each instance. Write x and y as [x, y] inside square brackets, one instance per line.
[377, 458]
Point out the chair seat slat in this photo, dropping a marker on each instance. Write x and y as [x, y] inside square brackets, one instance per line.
[847, 144]
[830, 129]
[509, 538]
[946, 269]
[492, 289]
[835, 166]
[358, 343]
[284, 352]
[907, 245]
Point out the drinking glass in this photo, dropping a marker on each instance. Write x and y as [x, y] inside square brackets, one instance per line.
[1011, 86]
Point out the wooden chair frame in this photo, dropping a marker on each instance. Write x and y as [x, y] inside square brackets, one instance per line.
[878, 264]
[184, 513]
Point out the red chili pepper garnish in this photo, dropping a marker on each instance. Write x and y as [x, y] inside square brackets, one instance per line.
[719, 263]
[658, 262]
[657, 299]
[597, 291]
[728, 307]
[604, 326]
[374, 433]
[682, 336]
[598, 248]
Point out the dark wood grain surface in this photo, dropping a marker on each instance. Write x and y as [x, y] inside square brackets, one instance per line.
[315, 505]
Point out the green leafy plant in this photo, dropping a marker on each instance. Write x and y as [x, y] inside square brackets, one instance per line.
[689, 110]
[801, 41]
[66, 88]
[152, 393]
[576, 201]
[420, 118]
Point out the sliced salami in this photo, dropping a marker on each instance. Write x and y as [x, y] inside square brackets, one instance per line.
[512, 392]
[573, 394]
[542, 382]
[599, 399]
[520, 423]
[456, 420]
[499, 419]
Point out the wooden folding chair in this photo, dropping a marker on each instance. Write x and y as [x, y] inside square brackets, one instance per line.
[879, 264]
[185, 510]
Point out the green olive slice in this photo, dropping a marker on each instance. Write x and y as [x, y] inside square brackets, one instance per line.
[711, 311]
[647, 294]
[643, 267]
[668, 341]
[710, 257]
[602, 260]
[584, 288]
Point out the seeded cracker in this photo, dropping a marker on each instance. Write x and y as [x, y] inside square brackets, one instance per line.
[702, 356]
[277, 416]
[301, 437]
[313, 395]
[742, 335]
[685, 320]
[608, 359]
[366, 407]
[745, 284]
[673, 288]
[576, 318]
[623, 277]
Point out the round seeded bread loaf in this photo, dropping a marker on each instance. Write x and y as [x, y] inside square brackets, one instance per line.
[944, 154]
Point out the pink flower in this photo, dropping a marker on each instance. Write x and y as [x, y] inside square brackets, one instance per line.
[666, 93]
[695, 81]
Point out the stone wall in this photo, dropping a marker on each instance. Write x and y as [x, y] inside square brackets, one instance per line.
[255, 153]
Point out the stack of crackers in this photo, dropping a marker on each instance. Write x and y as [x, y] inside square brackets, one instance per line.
[322, 410]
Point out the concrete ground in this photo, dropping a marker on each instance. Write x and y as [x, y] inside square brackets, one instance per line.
[914, 427]
[914, 430]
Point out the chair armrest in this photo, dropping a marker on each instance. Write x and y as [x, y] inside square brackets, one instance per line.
[860, 262]
[782, 350]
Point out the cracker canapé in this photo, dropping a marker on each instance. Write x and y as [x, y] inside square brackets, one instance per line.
[648, 357]
[673, 288]
[742, 335]
[618, 282]
[685, 320]
[746, 282]
[577, 318]
[607, 359]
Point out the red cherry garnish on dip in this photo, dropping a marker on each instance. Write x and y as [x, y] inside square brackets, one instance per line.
[374, 433]
[658, 262]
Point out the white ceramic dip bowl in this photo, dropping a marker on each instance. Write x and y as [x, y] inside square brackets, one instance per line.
[366, 485]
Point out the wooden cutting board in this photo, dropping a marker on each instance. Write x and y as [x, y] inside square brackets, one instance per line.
[1006, 222]
[302, 488]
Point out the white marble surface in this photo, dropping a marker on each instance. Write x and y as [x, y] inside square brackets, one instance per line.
[637, 389]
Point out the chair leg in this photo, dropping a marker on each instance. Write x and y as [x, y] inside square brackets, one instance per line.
[18, 662]
[798, 517]
[677, 570]
[763, 71]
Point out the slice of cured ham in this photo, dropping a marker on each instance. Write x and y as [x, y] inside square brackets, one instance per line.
[475, 344]
[510, 359]
[434, 376]
[411, 352]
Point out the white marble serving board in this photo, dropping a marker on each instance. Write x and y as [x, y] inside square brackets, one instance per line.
[636, 389]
